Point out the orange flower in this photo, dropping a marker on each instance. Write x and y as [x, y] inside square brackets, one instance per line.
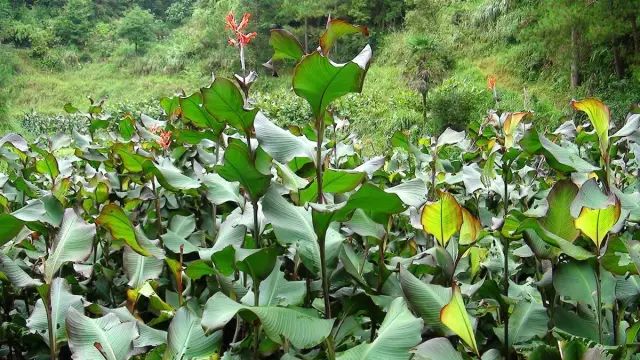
[241, 39]
[165, 139]
[491, 82]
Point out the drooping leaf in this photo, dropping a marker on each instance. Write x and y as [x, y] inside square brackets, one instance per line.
[113, 218]
[470, 229]
[101, 338]
[18, 277]
[337, 28]
[285, 45]
[427, 300]
[73, 242]
[398, 333]
[454, 315]
[186, 338]
[299, 327]
[442, 218]
[61, 301]
[600, 117]
[282, 145]
[319, 81]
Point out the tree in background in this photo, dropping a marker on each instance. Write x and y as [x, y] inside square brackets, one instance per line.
[75, 22]
[137, 27]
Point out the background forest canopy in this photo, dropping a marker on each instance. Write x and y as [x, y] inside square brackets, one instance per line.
[431, 57]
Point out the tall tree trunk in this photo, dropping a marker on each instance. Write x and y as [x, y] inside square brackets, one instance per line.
[618, 62]
[575, 58]
[306, 34]
[635, 34]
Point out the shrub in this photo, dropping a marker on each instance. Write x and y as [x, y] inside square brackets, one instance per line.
[455, 104]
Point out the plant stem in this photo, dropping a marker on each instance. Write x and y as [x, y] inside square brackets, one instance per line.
[256, 226]
[505, 253]
[320, 134]
[158, 219]
[325, 278]
[52, 337]
[599, 296]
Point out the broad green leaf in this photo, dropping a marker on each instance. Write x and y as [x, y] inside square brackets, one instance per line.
[293, 225]
[126, 127]
[193, 111]
[576, 252]
[337, 28]
[139, 269]
[362, 225]
[173, 176]
[558, 157]
[373, 201]
[528, 320]
[10, 228]
[73, 242]
[282, 145]
[275, 290]
[258, 263]
[298, 326]
[556, 220]
[186, 338]
[454, 315]
[470, 229]
[101, 338]
[436, 349]
[398, 333]
[319, 81]
[426, 300]
[596, 223]
[239, 167]
[131, 161]
[48, 165]
[148, 335]
[412, 192]
[285, 45]
[61, 301]
[600, 117]
[113, 218]
[576, 281]
[220, 190]
[442, 218]
[18, 277]
[224, 100]
[333, 181]
[178, 233]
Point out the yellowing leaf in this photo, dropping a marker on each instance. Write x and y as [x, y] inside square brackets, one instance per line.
[442, 218]
[600, 116]
[454, 315]
[470, 228]
[596, 223]
[510, 126]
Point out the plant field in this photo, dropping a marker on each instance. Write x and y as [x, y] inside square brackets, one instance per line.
[210, 232]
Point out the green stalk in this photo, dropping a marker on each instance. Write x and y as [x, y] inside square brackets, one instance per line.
[599, 296]
[320, 135]
[52, 338]
[155, 194]
[325, 278]
[505, 253]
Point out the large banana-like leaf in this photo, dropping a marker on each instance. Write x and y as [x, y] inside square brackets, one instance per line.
[73, 242]
[224, 100]
[15, 274]
[239, 167]
[600, 117]
[101, 338]
[436, 349]
[442, 218]
[427, 300]
[560, 199]
[320, 81]
[528, 320]
[187, 340]
[454, 315]
[140, 268]
[61, 301]
[337, 28]
[301, 327]
[596, 223]
[399, 332]
[282, 145]
[275, 290]
[113, 218]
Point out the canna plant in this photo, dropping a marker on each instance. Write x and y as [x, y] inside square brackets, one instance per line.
[212, 232]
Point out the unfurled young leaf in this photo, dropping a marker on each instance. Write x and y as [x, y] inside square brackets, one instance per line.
[113, 218]
[442, 218]
[337, 28]
[600, 117]
[596, 223]
[454, 315]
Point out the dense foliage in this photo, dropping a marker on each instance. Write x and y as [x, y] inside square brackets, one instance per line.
[212, 232]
